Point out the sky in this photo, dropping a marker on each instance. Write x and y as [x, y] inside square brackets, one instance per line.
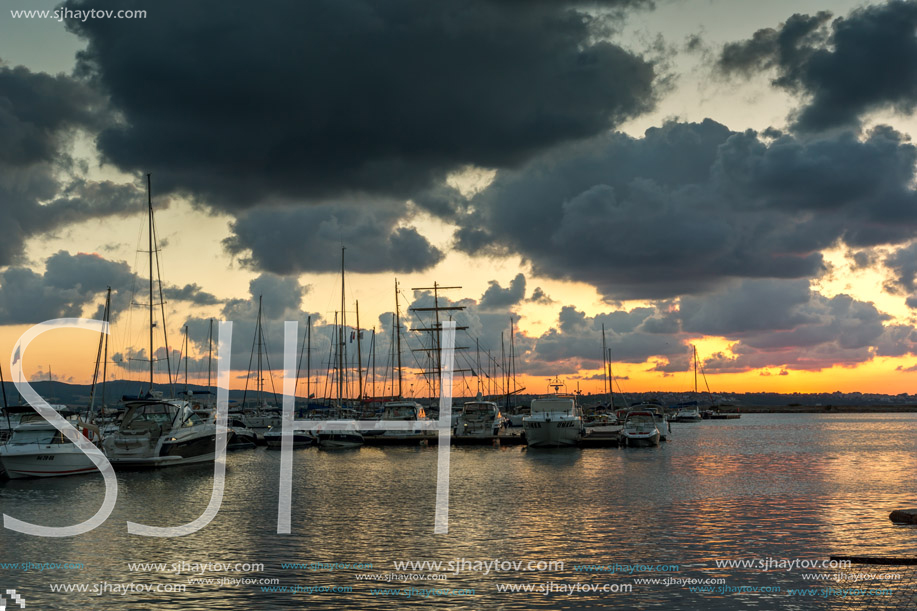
[732, 176]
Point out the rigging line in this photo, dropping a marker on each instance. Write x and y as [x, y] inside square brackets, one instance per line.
[328, 381]
[270, 372]
[704, 375]
[250, 360]
[162, 308]
[302, 351]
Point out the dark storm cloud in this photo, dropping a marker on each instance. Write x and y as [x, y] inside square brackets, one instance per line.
[281, 300]
[540, 297]
[691, 206]
[770, 324]
[782, 323]
[39, 115]
[748, 306]
[497, 297]
[190, 293]
[902, 266]
[860, 63]
[292, 240]
[69, 283]
[36, 109]
[327, 97]
[632, 337]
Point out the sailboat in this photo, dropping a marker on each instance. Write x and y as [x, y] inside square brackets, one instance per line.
[688, 412]
[341, 438]
[158, 432]
[401, 409]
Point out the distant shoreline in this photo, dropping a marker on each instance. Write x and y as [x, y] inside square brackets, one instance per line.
[820, 409]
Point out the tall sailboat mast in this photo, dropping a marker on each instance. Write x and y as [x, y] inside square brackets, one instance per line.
[103, 343]
[359, 358]
[260, 380]
[341, 338]
[186, 359]
[398, 338]
[309, 361]
[209, 355]
[605, 363]
[149, 197]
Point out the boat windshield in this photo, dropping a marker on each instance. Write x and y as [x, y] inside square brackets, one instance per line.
[540, 406]
[39, 436]
[401, 412]
[159, 413]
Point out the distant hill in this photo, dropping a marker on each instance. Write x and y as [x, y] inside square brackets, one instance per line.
[77, 395]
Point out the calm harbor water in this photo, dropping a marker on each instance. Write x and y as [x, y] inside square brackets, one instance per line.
[767, 486]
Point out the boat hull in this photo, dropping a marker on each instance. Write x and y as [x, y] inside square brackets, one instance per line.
[301, 439]
[552, 433]
[46, 463]
[638, 440]
[334, 440]
[140, 452]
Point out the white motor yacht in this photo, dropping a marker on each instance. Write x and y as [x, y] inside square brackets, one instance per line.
[640, 429]
[405, 410]
[688, 412]
[479, 418]
[555, 421]
[37, 449]
[158, 433]
[662, 423]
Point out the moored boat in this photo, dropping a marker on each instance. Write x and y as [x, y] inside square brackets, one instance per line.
[38, 449]
[554, 421]
[339, 439]
[640, 429]
[479, 418]
[274, 439]
[157, 432]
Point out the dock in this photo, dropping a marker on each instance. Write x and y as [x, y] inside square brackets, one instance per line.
[509, 439]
